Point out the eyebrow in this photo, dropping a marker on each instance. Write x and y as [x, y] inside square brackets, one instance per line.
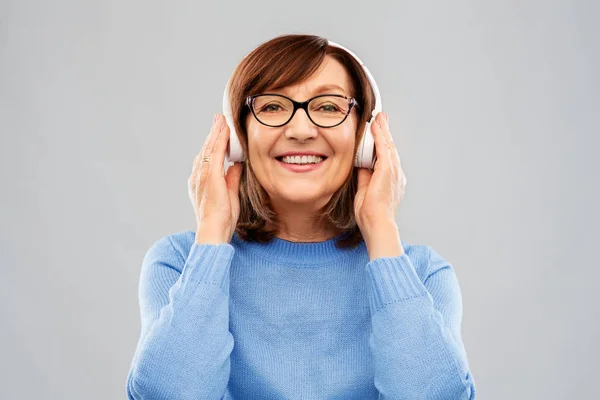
[324, 88]
[327, 88]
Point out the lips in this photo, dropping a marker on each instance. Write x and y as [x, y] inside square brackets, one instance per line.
[300, 167]
[301, 153]
[280, 158]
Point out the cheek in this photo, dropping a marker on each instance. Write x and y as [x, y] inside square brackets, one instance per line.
[341, 165]
[344, 145]
[258, 143]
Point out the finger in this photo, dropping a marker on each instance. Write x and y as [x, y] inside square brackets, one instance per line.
[385, 127]
[207, 149]
[383, 122]
[219, 148]
[233, 176]
[381, 148]
[397, 171]
[200, 168]
[364, 177]
[393, 158]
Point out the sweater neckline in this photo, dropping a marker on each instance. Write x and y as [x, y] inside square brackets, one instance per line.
[298, 253]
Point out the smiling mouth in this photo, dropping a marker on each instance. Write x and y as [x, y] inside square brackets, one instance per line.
[280, 159]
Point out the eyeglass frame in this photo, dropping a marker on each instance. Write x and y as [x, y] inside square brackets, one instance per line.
[302, 105]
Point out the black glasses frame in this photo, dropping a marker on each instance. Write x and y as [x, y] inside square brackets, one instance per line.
[301, 105]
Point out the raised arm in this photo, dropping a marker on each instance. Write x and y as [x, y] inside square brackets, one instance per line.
[184, 347]
[415, 340]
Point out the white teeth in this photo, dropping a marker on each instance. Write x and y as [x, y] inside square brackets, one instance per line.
[302, 159]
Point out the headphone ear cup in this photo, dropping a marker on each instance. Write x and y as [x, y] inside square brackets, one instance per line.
[234, 147]
[370, 162]
[365, 153]
[359, 149]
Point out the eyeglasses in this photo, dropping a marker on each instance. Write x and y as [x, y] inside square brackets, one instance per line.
[325, 111]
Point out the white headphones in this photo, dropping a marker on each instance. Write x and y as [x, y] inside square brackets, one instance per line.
[365, 154]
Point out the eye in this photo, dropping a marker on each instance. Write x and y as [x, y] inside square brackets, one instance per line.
[329, 107]
[329, 104]
[271, 107]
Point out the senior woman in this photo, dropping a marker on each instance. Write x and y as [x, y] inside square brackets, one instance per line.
[296, 284]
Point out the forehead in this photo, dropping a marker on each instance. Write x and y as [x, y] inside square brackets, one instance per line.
[331, 77]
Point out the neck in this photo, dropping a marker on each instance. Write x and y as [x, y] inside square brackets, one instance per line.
[308, 236]
[298, 224]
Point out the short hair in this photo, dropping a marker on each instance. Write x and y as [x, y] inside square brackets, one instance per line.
[280, 62]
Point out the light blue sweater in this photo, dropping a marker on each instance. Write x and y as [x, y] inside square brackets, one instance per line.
[288, 320]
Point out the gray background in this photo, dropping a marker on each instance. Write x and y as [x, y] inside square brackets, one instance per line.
[494, 107]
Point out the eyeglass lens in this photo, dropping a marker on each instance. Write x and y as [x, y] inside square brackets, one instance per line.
[323, 110]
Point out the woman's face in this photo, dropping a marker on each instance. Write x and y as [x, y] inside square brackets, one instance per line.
[300, 135]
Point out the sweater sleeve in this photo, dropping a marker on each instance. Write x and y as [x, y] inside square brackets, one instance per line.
[415, 340]
[184, 346]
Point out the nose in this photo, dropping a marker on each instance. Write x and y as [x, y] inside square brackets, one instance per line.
[300, 126]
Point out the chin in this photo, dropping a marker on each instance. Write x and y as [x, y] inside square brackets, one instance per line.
[304, 199]
[302, 194]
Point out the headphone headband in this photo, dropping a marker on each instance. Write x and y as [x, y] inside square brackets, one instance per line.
[377, 107]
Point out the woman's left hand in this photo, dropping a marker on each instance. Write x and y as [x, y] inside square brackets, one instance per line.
[379, 192]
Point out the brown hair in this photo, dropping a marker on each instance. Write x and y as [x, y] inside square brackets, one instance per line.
[283, 61]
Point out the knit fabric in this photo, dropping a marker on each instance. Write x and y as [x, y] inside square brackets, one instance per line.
[288, 320]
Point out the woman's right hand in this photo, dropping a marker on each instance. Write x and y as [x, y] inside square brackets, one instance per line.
[214, 196]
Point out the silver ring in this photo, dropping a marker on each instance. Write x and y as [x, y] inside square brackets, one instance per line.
[205, 159]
